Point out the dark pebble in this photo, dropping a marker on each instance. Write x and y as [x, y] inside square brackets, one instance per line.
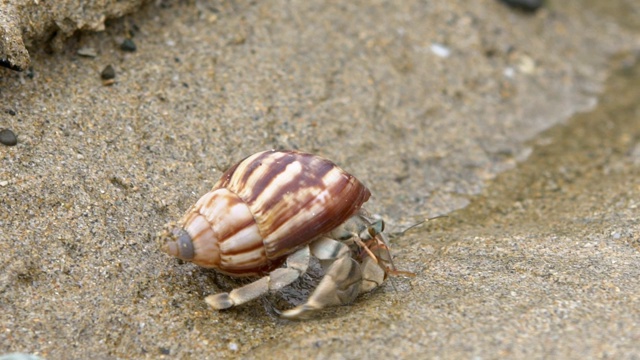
[108, 73]
[10, 112]
[10, 65]
[526, 5]
[128, 45]
[7, 137]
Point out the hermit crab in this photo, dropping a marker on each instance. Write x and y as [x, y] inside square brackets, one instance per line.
[282, 207]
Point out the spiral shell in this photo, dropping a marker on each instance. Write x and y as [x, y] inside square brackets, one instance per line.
[264, 208]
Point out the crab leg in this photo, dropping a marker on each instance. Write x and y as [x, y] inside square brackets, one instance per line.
[341, 283]
[297, 264]
[373, 275]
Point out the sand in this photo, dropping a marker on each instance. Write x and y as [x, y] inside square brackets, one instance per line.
[522, 128]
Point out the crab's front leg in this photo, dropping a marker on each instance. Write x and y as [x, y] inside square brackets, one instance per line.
[297, 264]
[340, 284]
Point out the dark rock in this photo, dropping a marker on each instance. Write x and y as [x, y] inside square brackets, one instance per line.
[128, 45]
[526, 5]
[108, 73]
[7, 137]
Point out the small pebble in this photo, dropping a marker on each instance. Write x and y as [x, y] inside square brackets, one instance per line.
[7, 137]
[108, 73]
[526, 5]
[19, 356]
[509, 72]
[128, 45]
[440, 50]
[87, 52]
[526, 65]
[10, 112]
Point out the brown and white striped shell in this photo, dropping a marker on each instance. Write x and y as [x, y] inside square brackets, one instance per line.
[264, 208]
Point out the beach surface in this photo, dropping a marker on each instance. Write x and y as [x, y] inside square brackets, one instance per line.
[522, 128]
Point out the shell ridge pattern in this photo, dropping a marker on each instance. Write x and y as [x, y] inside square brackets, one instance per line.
[231, 224]
[280, 172]
[306, 183]
[236, 244]
[251, 175]
[303, 200]
[279, 185]
[245, 260]
[226, 213]
[318, 209]
[242, 175]
[292, 197]
[258, 162]
[199, 225]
